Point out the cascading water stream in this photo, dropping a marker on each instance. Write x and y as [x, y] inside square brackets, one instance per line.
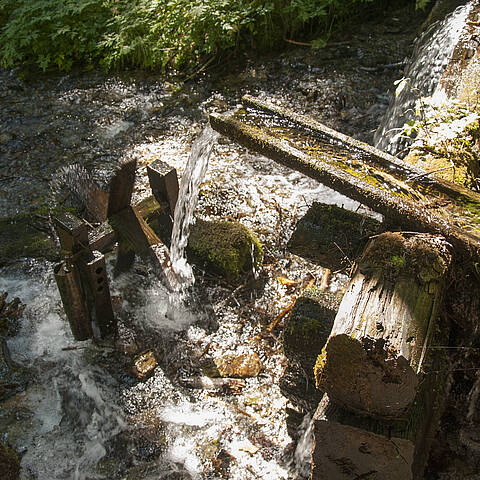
[187, 201]
[432, 53]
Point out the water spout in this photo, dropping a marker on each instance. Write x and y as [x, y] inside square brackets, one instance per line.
[187, 201]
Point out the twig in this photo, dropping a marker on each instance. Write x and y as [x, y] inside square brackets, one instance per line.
[426, 174]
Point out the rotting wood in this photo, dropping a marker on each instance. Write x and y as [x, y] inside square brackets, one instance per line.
[412, 207]
[373, 360]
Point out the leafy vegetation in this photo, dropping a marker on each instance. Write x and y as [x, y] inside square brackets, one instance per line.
[447, 138]
[157, 33]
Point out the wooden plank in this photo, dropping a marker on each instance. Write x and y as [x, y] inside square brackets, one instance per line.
[412, 207]
[72, 233]
[97, 280]
[164, 183]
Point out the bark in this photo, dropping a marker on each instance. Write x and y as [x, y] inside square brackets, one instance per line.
[373, 360]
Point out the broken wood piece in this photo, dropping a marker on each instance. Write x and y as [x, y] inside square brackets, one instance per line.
[224, 385]
[373, 360]
[121, 187]
[164, 183]
[70, 288]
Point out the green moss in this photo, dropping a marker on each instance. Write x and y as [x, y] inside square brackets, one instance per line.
[225, 248]
[9, 463]
[394, 255]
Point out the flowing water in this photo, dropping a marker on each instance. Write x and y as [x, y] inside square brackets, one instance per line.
[80, 413]
[432, 53]
[192, 178]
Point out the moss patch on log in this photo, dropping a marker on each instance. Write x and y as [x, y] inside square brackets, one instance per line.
[225, 248]
[9, 463]
[332, 236]
[396, 255]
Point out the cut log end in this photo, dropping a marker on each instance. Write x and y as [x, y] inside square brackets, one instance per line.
[365, 376]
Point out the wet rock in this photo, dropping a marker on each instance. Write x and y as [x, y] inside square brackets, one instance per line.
[332, 236]
[10, 313]
[144, 364]
[239, 366]
[225, 248]
[9, 463]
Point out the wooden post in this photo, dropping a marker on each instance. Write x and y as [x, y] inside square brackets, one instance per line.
[72, 233]
[121, 187]
[372, 362]
[164, 183]
[71, 293]
[99, 292]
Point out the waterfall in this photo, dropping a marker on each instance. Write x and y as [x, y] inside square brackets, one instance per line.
[433, 51]
[192, 178]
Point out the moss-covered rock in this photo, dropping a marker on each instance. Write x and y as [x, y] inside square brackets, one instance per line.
[9, 463]
[331, 235]
[225, 248]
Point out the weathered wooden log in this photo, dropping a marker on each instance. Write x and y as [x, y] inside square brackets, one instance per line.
[372, 362]
[379, 181]
[346, 448]
[71, 293]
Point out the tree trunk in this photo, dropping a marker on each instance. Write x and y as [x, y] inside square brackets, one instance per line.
[373, 360]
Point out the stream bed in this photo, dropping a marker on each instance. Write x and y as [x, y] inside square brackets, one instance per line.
[80, 413]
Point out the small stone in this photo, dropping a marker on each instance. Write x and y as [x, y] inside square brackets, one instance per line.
[239, 366]
[144, 364]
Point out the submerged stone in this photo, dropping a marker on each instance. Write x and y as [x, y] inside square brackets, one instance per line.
[332, 236]
[239, 366]
[144, 364]
[225, 248]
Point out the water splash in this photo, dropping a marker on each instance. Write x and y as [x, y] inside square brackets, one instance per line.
[187, 201]
[432, 53]
[303, 452]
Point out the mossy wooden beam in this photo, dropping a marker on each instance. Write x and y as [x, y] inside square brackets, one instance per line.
[407, 172]
[407, 211]
[373, 361]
